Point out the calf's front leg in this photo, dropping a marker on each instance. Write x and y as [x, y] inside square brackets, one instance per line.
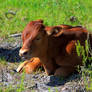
[30, 65]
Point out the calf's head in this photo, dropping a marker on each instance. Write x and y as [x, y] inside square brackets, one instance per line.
[34, 40]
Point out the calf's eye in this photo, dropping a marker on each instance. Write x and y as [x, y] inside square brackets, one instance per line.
[38, 38]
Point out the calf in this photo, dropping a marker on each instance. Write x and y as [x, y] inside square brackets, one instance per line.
[53, 47]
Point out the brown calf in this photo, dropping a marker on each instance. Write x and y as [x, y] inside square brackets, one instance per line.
[53, 47]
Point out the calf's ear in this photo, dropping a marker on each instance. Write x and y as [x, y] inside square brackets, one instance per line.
[55, 31]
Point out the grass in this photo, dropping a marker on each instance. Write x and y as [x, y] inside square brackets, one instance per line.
[53, 12]
[18, 88]
[3, 61]
[86, 70]
[15, 14]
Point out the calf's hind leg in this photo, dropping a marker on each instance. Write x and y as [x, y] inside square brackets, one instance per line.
[64, 71]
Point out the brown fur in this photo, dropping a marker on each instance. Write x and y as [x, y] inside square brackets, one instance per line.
[54, 46]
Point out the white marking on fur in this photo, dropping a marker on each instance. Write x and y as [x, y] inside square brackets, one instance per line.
[22, 51]
[20, 68]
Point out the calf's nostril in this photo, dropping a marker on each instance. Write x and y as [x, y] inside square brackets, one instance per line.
[25, 53]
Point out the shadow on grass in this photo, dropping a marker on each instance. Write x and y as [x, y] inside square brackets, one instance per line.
[58, 81]
[10, 55]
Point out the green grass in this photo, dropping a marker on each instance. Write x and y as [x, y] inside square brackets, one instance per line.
[17, 88]
[3, 61]
[53, 12]
[86, 70]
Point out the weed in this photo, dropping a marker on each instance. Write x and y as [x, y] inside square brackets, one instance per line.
[15, 14]
[18, 88]
[3, 61]
[86, 70]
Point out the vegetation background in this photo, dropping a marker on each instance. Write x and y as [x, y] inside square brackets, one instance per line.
[15, 14]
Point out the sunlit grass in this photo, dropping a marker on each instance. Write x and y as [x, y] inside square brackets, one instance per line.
[53, 12]
[86, 69]
[17, 88]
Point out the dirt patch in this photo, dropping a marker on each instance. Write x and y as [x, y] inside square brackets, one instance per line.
[38, 81]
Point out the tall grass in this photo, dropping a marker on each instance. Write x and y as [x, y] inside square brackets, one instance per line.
[53, 12]
[86, 70]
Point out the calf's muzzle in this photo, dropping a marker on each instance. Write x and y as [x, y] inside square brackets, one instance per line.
[23, 52]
